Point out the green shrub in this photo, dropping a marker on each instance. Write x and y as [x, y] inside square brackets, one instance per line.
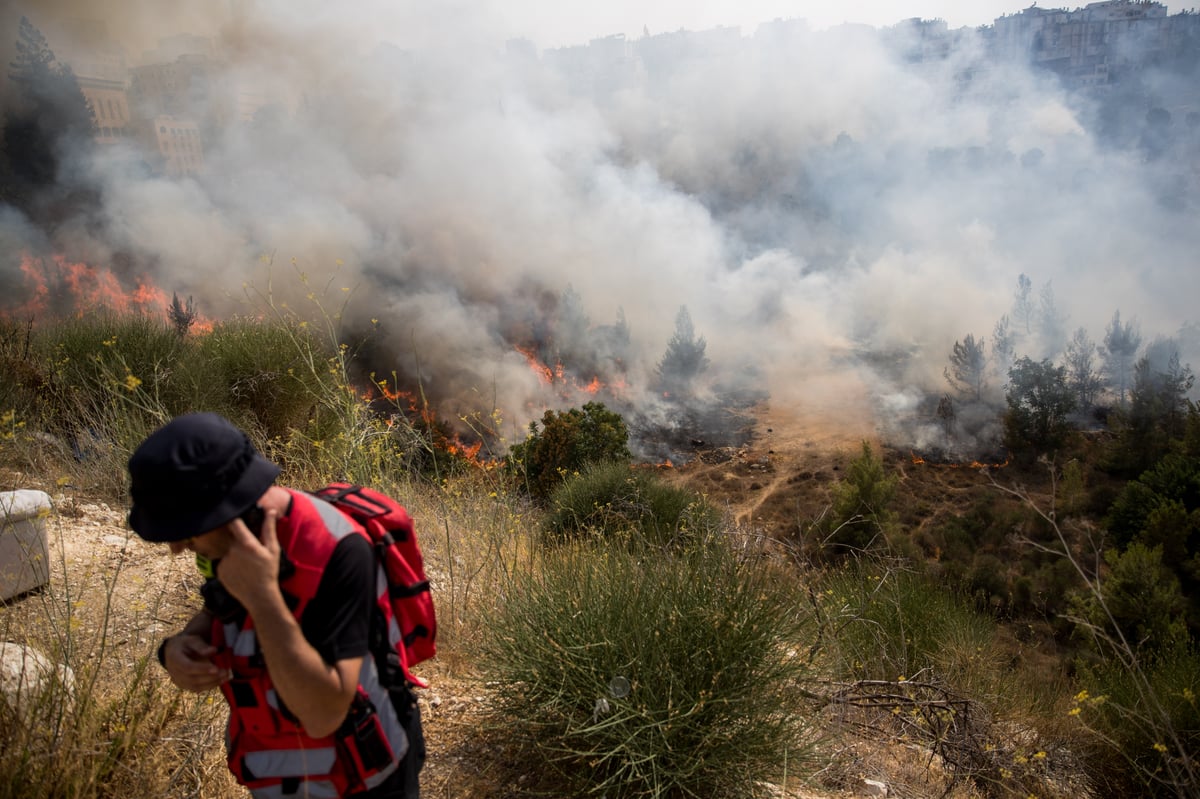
[1148, 716]
[1175, 477]
[611, 498]
[265, 374]
[647, 673]
[97, 361]
[567, 442]
[1039, 404]
[891, 624]
[1137, 602]
[859, 518]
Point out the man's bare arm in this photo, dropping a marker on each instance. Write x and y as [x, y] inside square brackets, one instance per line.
[316, 692]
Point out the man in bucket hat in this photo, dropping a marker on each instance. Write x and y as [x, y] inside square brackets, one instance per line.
[284, 632]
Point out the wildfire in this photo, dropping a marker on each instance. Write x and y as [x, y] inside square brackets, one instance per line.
[380, 388]
[557, 375]
[418, 409]
[918, 461]
[56, 285]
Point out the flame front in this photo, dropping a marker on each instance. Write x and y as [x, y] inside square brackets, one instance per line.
[557, 376]
[57, 286]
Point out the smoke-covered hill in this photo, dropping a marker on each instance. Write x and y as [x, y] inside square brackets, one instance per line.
[518, 230]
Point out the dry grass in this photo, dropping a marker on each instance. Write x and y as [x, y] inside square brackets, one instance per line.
[475, 537]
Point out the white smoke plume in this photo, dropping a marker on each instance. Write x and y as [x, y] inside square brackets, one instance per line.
[833, 216]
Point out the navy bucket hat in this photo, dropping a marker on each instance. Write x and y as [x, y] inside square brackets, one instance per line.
[193, 475]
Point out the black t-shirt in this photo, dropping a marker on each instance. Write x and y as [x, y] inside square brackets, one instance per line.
[337, 619]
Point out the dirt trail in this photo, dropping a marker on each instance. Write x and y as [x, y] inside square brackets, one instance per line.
[798, 448]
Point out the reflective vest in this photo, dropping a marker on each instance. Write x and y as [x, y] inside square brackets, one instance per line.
[268, 750]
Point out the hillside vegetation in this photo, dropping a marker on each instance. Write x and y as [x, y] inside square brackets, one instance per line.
[730, 627]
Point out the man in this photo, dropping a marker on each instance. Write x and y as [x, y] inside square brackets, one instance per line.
[286, 621]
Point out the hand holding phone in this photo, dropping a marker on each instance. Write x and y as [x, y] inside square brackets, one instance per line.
[253, 517]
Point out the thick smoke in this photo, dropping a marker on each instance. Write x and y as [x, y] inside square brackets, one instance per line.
[833, 215]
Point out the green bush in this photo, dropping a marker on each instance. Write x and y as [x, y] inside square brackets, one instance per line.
[1148, 716]
[1039, 404]
[609, 499]
[860, 518]
[97, 361]
[648, 673]
[87, 390]
[1175, 477]
[890, 624]
[1137, 602]
[567, 442]
[264, 374]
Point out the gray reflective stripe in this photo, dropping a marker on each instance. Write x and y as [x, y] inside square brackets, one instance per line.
[395, 635]
[276, 763]
[316, 789]
[335, 521]
[381, 582]
[368, 679]
[272, 699]
[381, 776]
[245, 644]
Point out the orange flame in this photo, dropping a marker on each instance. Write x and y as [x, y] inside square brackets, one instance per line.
[545, 373]
[918, 460]
[83, 287]
[556, 375]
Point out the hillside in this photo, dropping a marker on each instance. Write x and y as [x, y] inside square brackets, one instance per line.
[771, 487]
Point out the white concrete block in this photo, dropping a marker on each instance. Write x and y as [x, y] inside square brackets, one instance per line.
[24, 555]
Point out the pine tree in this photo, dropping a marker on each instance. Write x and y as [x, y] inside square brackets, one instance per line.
[967, 372]
[1023, 311]
[1004, 347]
[1119, 352]
[684, 359]
[49, 118]
[1050, 323]
[1082, 377]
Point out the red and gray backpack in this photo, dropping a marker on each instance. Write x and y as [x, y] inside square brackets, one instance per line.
[414, 637]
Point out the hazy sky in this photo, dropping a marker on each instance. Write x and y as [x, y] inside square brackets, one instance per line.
[548, 23]
[551, 23]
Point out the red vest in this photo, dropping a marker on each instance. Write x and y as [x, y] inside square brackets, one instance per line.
[268, 750]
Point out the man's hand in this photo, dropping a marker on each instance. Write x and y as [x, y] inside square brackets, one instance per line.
[250, 569]
[188, 659]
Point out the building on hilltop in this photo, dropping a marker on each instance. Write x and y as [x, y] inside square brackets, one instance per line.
[177, 142]
[1099, 44]
[100, 69]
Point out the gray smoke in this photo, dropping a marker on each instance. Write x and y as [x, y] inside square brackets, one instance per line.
[833, 215]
